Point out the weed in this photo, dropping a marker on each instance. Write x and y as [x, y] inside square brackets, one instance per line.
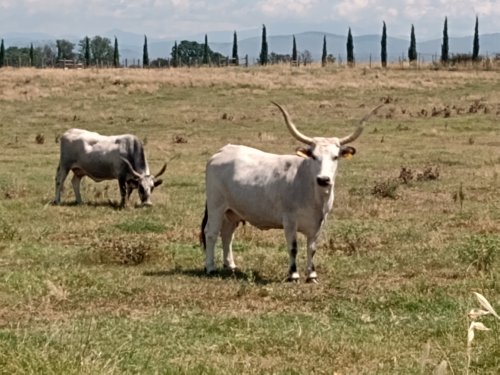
[7, 231]
[474, 315]
[386, 189]
[479, 251]
[40, 139]
[429, 173]
[120, 250]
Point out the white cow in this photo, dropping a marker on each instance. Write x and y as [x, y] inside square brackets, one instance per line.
[103, 157]
[293, 192]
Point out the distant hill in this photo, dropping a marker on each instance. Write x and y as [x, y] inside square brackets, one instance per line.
[365, 46]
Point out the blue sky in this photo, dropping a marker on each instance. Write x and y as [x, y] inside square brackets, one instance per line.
[173, 19]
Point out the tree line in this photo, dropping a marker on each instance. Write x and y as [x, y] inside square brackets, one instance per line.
[99, 51]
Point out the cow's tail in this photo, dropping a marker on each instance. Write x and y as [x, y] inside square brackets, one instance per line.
[203, 239]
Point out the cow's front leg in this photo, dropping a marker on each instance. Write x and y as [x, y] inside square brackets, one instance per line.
[123, 192]
[311, 251]
[291, 240]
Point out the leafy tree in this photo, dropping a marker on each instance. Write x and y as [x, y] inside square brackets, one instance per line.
[116, 55]
[306, 57]
[145, 55]
[236, 60]
[32, 55]
[15, 56]
[191, 53]
[206, 54]
[350, 49]
[47, 54]
[65, 49]
[278, 58]
[444, 47]
[475, 47]
[2, 55]
[412, 50]
[294, 50]
[324, 54]
[99, 49]
[383, 46]
[263, 57]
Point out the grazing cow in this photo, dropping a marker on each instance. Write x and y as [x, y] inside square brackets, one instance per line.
[293, 192]
[103, 157]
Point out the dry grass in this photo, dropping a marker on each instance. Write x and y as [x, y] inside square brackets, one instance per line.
[94, 289]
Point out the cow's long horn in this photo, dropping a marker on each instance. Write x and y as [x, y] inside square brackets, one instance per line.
[298, 135]
[134, 172]
[162, 170]
[357, 132]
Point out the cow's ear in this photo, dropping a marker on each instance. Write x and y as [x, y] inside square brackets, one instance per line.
[347, 152]
[303, 152]
[158, 182]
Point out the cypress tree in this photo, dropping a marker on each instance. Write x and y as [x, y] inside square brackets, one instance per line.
[350, 49]
[59, 49]
[145, 55]
[444, 46]
[206, 55]
[87, 51]
[412, 50]
[116, 55]
[475, 47]
[324, 53]
[2, 54]
[236, 59]
[263, 58]
[294, 50]
[175, 55]
[383, 47]
[32, 55]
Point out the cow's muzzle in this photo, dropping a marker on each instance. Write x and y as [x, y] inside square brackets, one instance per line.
[147, 204]
[324, 181]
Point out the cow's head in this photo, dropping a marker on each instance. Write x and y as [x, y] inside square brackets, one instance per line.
[144, 183]
[325, 152]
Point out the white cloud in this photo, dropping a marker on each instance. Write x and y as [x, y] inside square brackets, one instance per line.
[285, 8]
[175, 18]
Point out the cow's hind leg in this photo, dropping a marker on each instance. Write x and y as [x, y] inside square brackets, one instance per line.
[291, 240]
[229, 225]
[75, 181]
[61, 175]
[212, 230]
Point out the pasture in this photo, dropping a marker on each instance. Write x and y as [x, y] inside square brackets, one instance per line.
[414, 231]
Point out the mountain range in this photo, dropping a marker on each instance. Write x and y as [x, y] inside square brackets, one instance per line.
[365, 46]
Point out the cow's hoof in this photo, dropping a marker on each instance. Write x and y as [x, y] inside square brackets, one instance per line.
[232, 268]
[211, 272]
[294, 277]
[312, 277]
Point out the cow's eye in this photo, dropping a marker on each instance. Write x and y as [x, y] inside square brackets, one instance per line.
[334, 158]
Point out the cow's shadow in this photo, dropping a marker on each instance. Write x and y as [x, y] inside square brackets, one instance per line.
[250, 276]
[109, 203]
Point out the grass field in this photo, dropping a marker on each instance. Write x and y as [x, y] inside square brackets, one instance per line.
[92, 289]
